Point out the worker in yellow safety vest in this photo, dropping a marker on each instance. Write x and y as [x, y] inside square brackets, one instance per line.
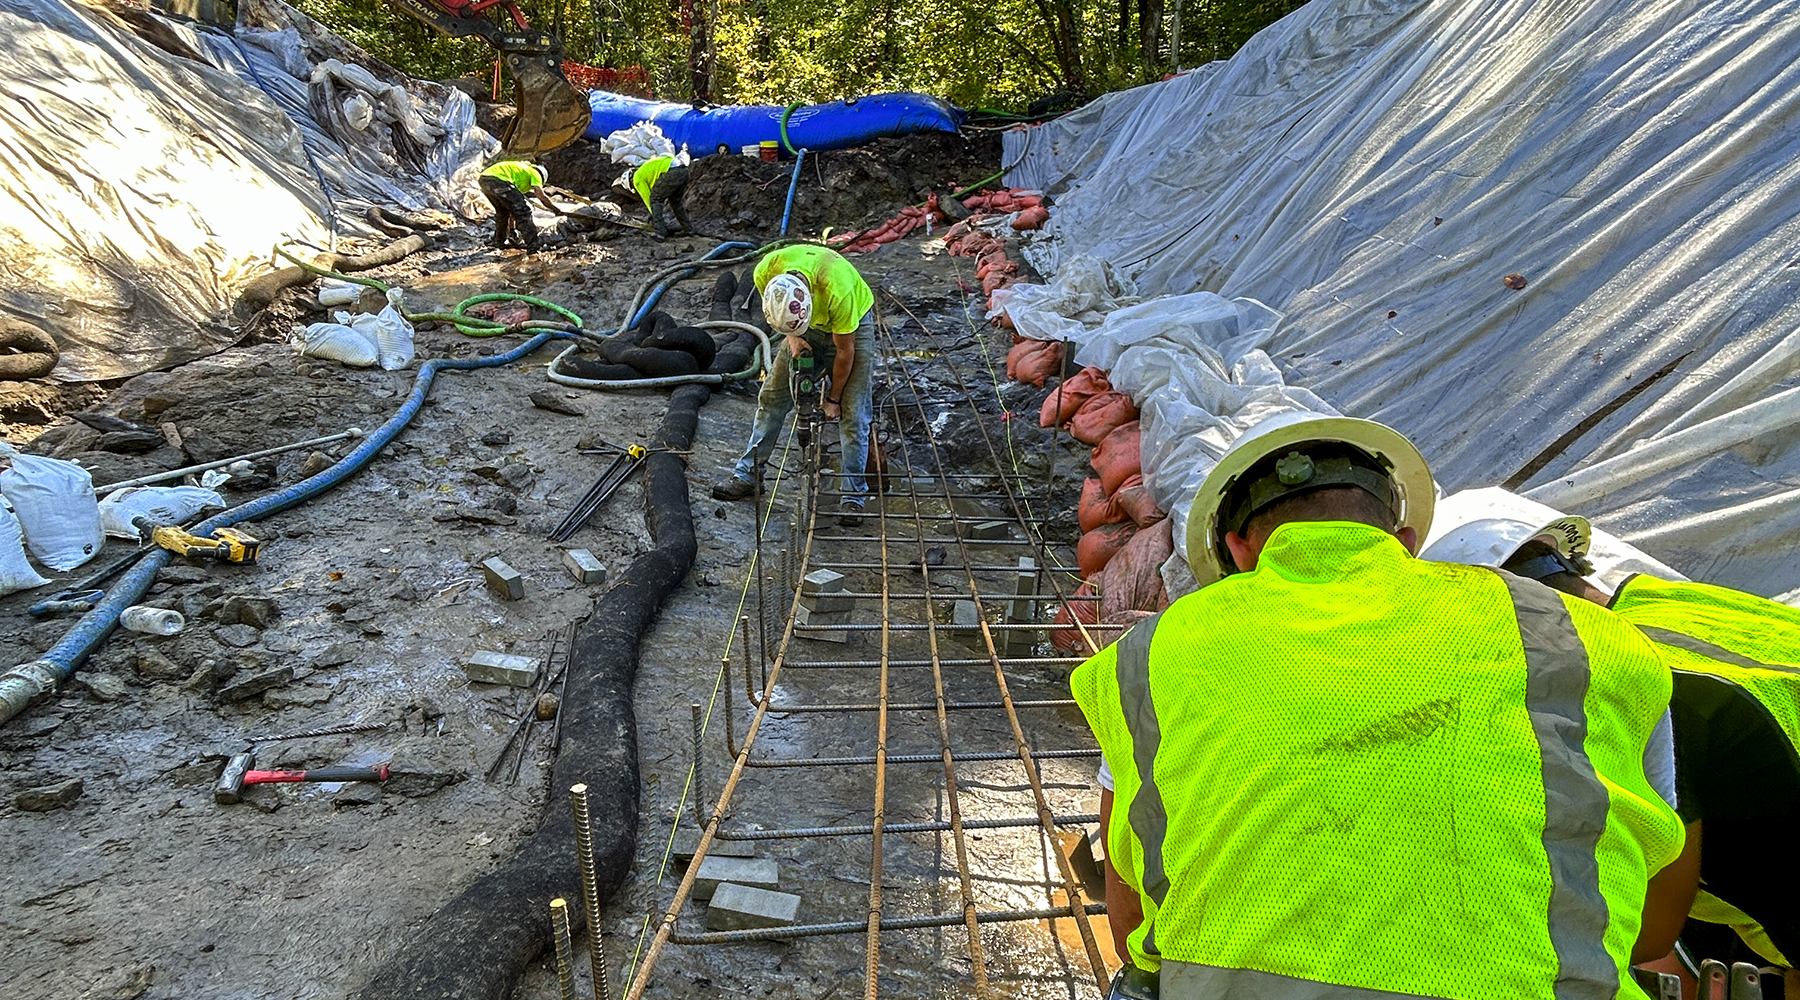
[505, 184]
[819, 306]
[1736, 711]
[659, 183]
[1343, 772]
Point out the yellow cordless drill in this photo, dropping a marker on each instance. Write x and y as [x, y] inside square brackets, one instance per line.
[226, 545]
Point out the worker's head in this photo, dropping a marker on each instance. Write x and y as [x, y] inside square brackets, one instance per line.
[788, 304]
[1499, 529]
[1304, 467]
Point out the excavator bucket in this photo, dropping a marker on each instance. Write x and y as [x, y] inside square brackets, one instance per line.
[551, 112]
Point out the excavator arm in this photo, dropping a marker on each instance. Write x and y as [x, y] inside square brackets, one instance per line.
[551, 112]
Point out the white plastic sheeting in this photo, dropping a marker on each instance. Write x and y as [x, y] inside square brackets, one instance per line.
[1373, 169]
[147, 171]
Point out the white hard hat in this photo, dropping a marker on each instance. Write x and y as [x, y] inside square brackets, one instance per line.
[788, 304]
[1486, 526]
[1310, 452]
[543, 173]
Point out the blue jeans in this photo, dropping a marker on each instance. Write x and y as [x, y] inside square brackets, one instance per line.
[774, 403]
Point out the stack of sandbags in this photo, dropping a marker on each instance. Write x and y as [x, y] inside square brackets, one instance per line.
[916, 217]
[1034, 361]
[1067, 399]
[1125, 538]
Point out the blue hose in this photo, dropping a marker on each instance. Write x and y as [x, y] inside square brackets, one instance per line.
[793, 184]
[27, 681]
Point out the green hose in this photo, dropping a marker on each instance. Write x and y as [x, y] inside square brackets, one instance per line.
[468, 326]
[784, 120]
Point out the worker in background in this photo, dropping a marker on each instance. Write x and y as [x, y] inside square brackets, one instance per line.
[814, 300]
[1736, 710]
[659, 183]
[1341, 771]
[506, 184]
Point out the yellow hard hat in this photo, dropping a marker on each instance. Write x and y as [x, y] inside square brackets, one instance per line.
[1308, 451]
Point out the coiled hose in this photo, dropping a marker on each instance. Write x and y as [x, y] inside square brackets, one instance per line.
[28, 681]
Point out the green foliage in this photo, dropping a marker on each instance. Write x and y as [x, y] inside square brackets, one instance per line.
[994, 53]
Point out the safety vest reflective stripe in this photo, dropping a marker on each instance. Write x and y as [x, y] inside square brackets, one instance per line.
[1187, 981]
[1149, 819]
[1557, 674]
[1694, 644]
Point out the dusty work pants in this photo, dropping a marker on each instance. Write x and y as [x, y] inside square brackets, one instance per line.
[666, 194]
[510, 209]
[775, 402]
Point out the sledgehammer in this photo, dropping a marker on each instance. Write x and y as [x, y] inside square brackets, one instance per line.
[238, 773]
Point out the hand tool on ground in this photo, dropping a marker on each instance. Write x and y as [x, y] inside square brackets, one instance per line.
[354, 432]
[623, 465]
[226, 544]
[83, 594]
[239, 772]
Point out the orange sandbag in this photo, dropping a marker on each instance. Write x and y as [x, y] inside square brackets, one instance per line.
[1097, 547]
[1096, 508]
[1116, 458]
[1100, 414]
[1132, 581]
[1066, 399]
[1135, 502]
[1069, 640]
[1027, 201]
[1013, 354]
[1036, 367]
[1031, 218]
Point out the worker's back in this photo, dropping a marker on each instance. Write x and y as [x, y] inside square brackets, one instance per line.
[1383, 773]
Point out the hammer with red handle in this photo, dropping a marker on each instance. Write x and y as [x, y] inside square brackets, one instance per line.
[238, 773]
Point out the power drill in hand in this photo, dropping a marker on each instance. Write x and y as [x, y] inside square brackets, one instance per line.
[226, 544]
[806, 386]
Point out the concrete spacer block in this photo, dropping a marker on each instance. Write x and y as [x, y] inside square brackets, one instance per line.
[489, 667]
[687, 841]
[741, 907]
[824, 581]
[584, 567]
[503, 580]
[760, 873]
[984, 530]
[816, 624]
[965, 614]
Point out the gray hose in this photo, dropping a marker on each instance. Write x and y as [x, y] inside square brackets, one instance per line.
[759, 362]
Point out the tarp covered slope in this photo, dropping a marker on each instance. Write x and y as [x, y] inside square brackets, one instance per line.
[838, 125]
[1374, 170]
[147, 173]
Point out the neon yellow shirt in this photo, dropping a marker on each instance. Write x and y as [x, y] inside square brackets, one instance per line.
[518, 173]
[645, 177]
[841, 298]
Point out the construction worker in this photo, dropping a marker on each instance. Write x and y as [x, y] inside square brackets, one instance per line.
[1736, 709]
[1341, 771]
[506, 184]
[814, 300]
[659, 184]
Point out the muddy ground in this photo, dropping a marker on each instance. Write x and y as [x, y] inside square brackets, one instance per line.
[142, 886]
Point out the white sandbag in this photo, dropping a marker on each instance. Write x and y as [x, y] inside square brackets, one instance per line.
[333, 292]
[55, 503]
[163, 505]
[393, 334]
[15, 570]
[336, 342]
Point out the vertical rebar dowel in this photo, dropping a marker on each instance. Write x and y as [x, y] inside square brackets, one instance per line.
[584, 849]
[699, 787]
[565, 957]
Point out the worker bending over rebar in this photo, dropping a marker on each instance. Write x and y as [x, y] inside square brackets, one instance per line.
[1340, 771]
[816, 302]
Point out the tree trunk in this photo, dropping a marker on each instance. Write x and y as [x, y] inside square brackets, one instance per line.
[1150, 14]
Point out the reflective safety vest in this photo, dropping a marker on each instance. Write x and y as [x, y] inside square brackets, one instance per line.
[645, 177]
[1709, 636]
[1351, 770]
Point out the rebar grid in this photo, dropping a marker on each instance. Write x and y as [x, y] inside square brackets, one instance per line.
[796, 558]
